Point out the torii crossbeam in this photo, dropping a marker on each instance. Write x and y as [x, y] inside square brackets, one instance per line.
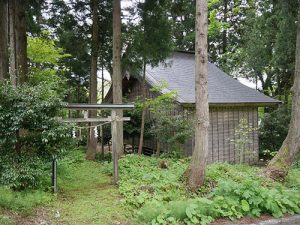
[113, 119]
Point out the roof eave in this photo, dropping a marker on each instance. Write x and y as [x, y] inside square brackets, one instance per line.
[230, 104]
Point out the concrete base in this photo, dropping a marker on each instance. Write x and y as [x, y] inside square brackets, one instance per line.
[292, 220]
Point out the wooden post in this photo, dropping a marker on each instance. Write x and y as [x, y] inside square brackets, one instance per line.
[54, 175]
[114, 134]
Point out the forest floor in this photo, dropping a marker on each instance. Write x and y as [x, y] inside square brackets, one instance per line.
[85, 197]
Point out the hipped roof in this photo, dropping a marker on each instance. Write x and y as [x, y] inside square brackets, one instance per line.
[178, 73]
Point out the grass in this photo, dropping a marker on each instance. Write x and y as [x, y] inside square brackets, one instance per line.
[85, 197]
[23, 201]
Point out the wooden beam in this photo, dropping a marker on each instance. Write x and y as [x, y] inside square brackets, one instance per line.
[99, 106]
[92, 120]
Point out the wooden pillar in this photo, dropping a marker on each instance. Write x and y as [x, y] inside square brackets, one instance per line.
[115, 134]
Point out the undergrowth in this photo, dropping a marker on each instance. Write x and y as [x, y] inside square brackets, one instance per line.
[23, 201]
[158, 196]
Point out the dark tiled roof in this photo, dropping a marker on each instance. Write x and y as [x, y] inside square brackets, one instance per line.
[178, 73]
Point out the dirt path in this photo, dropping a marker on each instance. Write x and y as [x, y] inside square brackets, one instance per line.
[86, 197]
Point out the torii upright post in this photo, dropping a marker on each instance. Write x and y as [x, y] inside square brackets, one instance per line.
[114, 135]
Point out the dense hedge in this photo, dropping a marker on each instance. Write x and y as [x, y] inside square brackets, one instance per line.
[29, 133]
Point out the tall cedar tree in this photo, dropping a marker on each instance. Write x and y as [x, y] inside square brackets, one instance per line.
[153, 44]
[20, 40]
[117, 75]
[4, 40]
[73, 30]
[92, 140]
[278, 166]
[196, 170]
[13, 37]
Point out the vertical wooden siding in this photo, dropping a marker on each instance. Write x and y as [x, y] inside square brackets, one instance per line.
[223, 121]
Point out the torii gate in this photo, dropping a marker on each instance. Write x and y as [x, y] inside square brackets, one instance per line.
[113, 119]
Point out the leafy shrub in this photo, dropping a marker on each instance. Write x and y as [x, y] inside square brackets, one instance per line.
[21, 171]
[242, 140]
[273, 129]
[166, 127]
[158, 196]
[151, 182]
[29, 133]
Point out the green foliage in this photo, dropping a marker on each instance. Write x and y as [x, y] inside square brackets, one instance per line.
[23, 201]
[132, 128]
[167, 127]
[274, 128]
[242, 140]
[29, 133]
[270, 32]
[45, 59]
[150, 40]
[150, 183]
[5, 220]
[44, 51]
[22, 171]
[158, 196]
[87, 195]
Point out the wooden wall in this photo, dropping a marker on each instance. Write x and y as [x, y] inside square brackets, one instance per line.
[223, 121]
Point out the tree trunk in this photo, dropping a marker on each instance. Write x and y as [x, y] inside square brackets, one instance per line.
[102, 99]
[141, 142]
[196, 170]
[92, 140]
[12, 43]
[279, 165]
[117, 75]
[17, 42]
[21, 42]
[157, 148]
[4, 40]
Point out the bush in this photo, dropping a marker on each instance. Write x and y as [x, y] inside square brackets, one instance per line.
[21, 171]
[158, 196]
[29, 133]
[273, 129]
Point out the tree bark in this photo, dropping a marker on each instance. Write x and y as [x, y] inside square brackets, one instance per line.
[141, 141]
[117, 75]
[279, 165]
[12, 43]
[196, 170]
[17, 42]
[4, 40]
[102, 99]
[157, 148]
[92, 140]
[21, 41]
